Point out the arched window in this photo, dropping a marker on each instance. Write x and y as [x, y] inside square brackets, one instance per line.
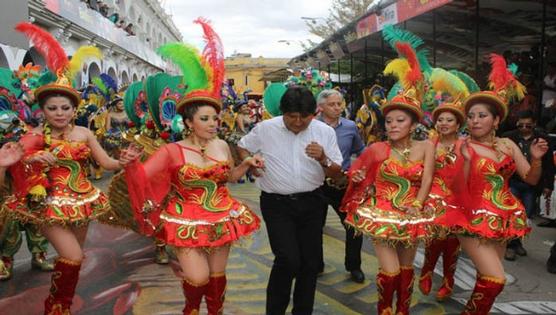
[34, 57]
[125, 78]
[94, 71]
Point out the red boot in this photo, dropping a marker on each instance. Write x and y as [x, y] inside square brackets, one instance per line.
[449, 262]
[216, 291]
[405, 290]
[386, 284]
[485, 292]
[62, 290]
[432, 252]
[193, 296]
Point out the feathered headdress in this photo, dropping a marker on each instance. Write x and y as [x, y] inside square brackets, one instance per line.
[452, 91]
[212, 61]
[57, 61]
[503, 84]
[393, 35]
[408, 72]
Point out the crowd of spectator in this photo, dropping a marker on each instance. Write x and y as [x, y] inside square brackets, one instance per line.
[110, 13]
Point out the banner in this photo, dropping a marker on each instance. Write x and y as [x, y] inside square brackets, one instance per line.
[77, 12]
[395, 13]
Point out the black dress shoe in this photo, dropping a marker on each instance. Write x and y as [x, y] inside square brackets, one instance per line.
[321, 270]
[551, 262]
[357, 276]
[510, 254]
[548, 223]
[520, 250]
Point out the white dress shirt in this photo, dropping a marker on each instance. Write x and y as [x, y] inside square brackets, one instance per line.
[288, 169]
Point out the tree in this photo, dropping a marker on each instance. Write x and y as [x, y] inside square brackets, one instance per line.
[341, 13]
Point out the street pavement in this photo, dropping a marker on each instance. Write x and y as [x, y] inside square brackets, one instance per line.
[119, 276]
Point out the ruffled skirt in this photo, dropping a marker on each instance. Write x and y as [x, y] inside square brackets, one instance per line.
[393, 226]
[76, 209]
[493, 224]
[186, 232]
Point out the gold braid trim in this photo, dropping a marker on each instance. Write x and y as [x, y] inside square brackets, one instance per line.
[217, 274]
[494, 279]
[191, 283]
[69, 261]
[389, 274]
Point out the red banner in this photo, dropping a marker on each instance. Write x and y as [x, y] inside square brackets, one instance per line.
[411, 8]
[395, 13]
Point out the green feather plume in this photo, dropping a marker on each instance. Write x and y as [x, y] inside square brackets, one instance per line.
[513, 69]
[131, 94]
[446, 82]
[188, 59]
[46, 77]
[100, 85]
[393, 35]
[472, 86]
[394, 90]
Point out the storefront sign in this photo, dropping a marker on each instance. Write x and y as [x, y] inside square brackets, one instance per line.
[395, 13]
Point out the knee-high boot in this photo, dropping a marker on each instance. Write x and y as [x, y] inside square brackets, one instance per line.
[486, 290]
[386, 284]
[193, 296]
[216, 292]
[62, 290]
[405, 290]
[432, 252]
[450, 255]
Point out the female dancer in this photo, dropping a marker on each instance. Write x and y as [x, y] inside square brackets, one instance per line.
[180, 196]
[51, 188]
[200, 218]
[389, 184]
[494, 214]
[448, 119]
[116, 124]
[243, 123]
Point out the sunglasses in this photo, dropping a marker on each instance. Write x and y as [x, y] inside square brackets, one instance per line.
[526, 126]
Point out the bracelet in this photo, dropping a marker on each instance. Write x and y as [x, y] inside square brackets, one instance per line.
[417, 204]
[247, 158]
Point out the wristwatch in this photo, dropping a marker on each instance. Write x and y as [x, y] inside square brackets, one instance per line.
[326, 163]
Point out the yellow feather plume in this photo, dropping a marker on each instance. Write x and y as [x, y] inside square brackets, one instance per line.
[80, 57]
[445, 81]
[399, 68]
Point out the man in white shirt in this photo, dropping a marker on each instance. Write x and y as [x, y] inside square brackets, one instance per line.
[299, 152]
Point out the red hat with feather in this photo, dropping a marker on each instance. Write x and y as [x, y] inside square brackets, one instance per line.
[57, 62]
[504, 87]
[212, 60]
[407, 70]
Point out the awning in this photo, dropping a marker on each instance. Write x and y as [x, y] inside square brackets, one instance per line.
[513, 25]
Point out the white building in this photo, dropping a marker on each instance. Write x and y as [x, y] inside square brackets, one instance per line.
[125, 58]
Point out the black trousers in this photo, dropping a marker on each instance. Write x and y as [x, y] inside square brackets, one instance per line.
[352, 260]
[294, 226]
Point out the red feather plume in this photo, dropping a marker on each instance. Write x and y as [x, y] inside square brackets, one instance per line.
[46, 45]
[499, 76]
[213, 56]
[414, 75]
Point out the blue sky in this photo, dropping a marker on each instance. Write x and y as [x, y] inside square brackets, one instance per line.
[250, 26]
